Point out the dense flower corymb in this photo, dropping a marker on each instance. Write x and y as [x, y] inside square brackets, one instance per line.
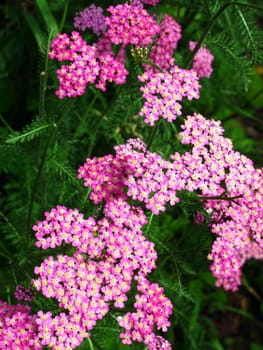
[131, 25]
[215, 169]
[163, 92]
[153, 308]
[110, 253]
[87, 65]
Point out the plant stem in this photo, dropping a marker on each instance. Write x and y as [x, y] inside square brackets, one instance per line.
[90, 344]
[207, 8]
[250, 288]
[221, 198]
[153, 65]
[152, 135]
[6, 123]
[42, 162]
[76, 133]
[18, 235]
[43, 82]
[149, 224]
[211, 24]
[99, 120]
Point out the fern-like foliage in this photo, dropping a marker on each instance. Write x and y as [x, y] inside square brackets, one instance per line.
[29, 132]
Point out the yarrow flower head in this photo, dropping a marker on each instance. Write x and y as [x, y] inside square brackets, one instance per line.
[110, 252]
[131, 25]
[150, 2]
[91, 18]
[83, 69]
[165, 44]
[163, 92]
[18, 329]
[202, 62]
[140, 3]
[215, 169]
[87, 65]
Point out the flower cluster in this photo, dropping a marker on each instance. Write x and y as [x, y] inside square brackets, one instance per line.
[164, 90]
[165, 44]
[18, 329]
[202, 62]
[134, 168]
[23, 294]
[110, 252]
[83, 69]
[212, 168]
[86, 66]
[131, 25]
[152, 307]
[237, 211]
[139, 3]
[92, 17]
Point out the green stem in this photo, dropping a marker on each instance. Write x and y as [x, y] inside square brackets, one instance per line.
[152, 135]
[100, 118]
[207, 8]
[76, 133]
[250, 288]
[42, 162]
[149, 224]
[42, 93]
[43, 82]
[6, 123]
[64, 16]
[90, 344]
[18, 235]
[211, 24]
[14, 276]
[152, 64]
[257, 94]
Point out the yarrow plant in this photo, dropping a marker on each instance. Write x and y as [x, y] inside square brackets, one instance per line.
[101, 259]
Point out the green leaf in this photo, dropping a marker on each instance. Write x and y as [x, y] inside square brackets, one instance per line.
[29, 132]
[47, 15]
[38, 33]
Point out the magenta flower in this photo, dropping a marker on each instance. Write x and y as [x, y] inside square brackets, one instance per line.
[164, 45]
[18, 328]
[131, 25]
[88, 65]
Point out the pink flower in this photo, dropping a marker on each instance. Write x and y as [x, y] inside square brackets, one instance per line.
[89, 64]
[202, 62]
[164, 91]
[153, 309]
[165, 43]
[131, 25]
